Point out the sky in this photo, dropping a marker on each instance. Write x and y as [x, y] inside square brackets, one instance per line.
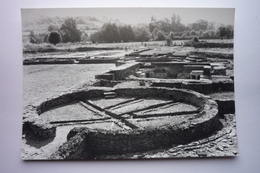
[138, 15]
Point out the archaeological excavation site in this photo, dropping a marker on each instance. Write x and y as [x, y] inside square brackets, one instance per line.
[142, 109]
[97, 98]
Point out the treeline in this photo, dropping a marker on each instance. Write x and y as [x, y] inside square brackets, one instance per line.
[173, 27]
[166, 29]
[111, 32]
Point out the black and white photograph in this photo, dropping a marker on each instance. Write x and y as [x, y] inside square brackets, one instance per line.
[128, 83]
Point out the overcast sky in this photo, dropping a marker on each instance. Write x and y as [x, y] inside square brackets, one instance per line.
[138, 15]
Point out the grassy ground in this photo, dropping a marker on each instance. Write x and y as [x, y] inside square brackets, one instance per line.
[111, 53]
[223, 95]
[121, 45]
[43, 81]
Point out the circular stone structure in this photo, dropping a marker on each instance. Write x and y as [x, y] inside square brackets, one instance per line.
[124, 120]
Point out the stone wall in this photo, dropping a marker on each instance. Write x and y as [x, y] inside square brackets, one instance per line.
[119, 72]
[94, 142]
[173, 69]
[222, 83]
[53, 60]
[125, 70]
[44, 130]
[105, 76]
[100, 142]
[202, 86]
[226, 106]
[199, 86]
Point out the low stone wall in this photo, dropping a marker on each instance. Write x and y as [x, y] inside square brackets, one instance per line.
[226, 106]
[125, 70]
[173, 69]
[205, 86]
[214, 54]
[43, 129]
[222, 83]
[35, 61]
[92, 143]
[212, 45]
[100, 142]
[167, 84]
[119, 72]
[105, 76]
[199, 86]
[74, 149]
[106, 83]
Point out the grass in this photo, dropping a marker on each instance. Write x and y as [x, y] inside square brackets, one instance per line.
[70, 112]
[101, 102]
[44, 81]
[170, 108]
[138, 104]
[73, 46]
[222, 95]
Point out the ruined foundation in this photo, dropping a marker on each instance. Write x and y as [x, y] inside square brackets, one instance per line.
[85, 143]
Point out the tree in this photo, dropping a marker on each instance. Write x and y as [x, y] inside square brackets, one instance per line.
[195, 39]
[168, 41]
[230, 31]
[222, 32]
[69, 31]
[193, 33]
[131, 33]
[160, 36]
[176, 24]
[212, 34]
[226, 31]
[110, 33]
[54, 37]
[96, 37]
[154, 33]
[200, 25]
[46, 37]
[142, 34]
[211, 26]
[127, 33]
[171, 35]
[53, 28]
[205, 34]
[32, 38]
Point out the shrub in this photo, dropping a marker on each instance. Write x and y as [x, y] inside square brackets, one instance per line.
[168, 41]
[195, 39]
[32, 38]
[212, 34]
[205, 34]
[54, 37]
[184, 35]
[46, 37]
[154, 33]
[29, 47]
[171, 35]
[160, 36]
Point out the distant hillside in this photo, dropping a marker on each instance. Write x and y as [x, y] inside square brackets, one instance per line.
[41, 24]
